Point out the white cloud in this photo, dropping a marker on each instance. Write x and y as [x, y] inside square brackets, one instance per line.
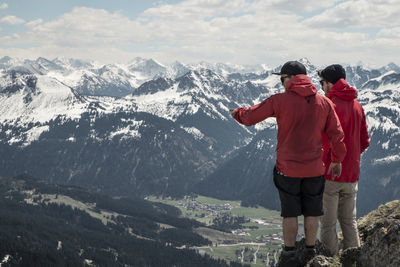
[197, 9]
[3, 6]
[286, 6]
[359, 14]
[237, 31]
[83, 27]
[11, 20]
[10, 38]
[389, 33]
[33, 23]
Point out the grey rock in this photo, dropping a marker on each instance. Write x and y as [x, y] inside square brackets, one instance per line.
[380, 236]
[323, 261]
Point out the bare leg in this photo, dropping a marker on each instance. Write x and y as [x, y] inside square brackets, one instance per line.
[310, 230]
[290, 227]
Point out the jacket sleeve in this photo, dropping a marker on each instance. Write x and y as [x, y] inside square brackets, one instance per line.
[252, 115]
[364, 138]
[335, 134]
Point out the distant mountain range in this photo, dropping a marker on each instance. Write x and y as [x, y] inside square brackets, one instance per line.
[144, 128]
[92, 78]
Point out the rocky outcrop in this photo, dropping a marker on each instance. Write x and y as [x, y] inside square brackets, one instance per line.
[321, 258]
[380, 242]
[380, 236]
[380, 239]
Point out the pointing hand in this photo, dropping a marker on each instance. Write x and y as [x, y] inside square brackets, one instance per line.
[233, 112]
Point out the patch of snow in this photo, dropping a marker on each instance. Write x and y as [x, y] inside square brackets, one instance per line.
[195, 132]
[51, 100]
[386, 145]
[385, 160]
[71, 139]
[130, 131]
[34, 133]
[5, 259]
[59, 245]
[88, 262]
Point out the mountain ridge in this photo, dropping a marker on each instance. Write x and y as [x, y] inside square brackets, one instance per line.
[179, 123]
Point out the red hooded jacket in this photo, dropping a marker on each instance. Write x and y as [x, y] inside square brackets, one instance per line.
[302, 115]
[352, 119]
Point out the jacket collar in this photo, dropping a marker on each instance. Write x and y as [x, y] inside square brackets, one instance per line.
[342, 90]
[301, 85]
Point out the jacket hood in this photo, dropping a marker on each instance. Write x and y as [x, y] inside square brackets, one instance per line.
[342, 90]
[302, 85]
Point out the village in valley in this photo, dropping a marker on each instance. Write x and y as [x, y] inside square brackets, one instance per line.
[250, 235]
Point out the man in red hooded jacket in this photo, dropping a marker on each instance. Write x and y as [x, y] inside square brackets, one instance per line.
[339, 198]
[302, 115]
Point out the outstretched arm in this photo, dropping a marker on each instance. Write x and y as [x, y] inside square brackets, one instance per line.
[252, 115]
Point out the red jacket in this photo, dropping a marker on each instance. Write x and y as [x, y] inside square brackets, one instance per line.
[352, 119]
[302, 115]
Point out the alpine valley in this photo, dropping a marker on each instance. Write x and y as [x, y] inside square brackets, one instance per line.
[144, 128]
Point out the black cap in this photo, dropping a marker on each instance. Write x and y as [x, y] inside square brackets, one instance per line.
[333, 73]
[292, 68]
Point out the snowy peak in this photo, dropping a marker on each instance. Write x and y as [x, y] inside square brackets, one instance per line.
[6, 62]
[358, 75]
[42, 66]
[391, 66]
[309, 66]
[149, 67]
[12, 82]
[197, 81]
[225, 69]
[204, 80]
[389, 78]
[154, 86]
[176, 69]
[36, 98]
[70, 63]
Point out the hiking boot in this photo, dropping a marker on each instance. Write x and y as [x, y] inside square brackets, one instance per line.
[288, 259]
[307, 255]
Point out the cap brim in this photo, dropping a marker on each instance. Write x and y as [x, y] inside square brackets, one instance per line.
[277, 73]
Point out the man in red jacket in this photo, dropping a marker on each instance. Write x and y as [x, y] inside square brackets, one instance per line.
[339, 198]
[302, 115]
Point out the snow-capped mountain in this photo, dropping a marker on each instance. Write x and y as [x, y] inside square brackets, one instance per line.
[224, 69]
[73, 64]
[29, 101]
[380, 165]
[24, 96]
[172, 130]
[90, 78]
[199, 101]
[148, 67]
[49, 130]
[118, 80]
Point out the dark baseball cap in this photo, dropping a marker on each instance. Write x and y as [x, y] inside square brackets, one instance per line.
[333, 73]
[292, 68]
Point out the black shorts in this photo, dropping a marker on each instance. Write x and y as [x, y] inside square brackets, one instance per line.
[300, 196]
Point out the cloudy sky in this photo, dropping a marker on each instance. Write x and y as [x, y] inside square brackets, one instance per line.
[235, 31]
